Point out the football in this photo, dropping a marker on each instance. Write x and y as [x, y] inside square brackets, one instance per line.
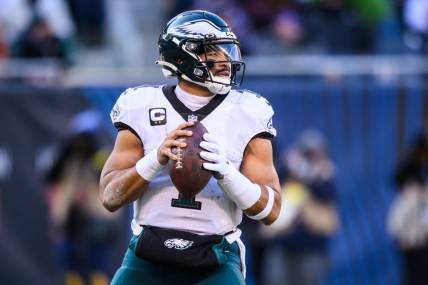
[187, 173]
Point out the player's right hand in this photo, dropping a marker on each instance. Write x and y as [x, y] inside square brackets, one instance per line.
[171, 140]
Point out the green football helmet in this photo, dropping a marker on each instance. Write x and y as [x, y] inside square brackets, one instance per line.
[198, 46]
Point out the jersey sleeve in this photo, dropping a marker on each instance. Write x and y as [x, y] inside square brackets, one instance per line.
[124, 114]
[260, 113]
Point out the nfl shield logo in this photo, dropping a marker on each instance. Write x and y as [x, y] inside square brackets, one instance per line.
[192, 117]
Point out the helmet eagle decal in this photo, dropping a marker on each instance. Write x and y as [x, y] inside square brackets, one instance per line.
[200, 28]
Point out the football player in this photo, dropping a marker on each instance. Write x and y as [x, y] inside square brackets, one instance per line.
[192, 241]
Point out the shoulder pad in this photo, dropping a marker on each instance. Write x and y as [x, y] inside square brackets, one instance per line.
[132, 99]
[258, 109]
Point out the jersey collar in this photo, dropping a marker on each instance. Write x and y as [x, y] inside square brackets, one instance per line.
[185, 113]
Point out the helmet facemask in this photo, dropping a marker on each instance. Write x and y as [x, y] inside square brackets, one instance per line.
[215, 64]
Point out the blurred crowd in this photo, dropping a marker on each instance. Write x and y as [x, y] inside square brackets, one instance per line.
[298, 242]
[35, 29]
[408, 215]
[309, 194]
[61, 28]
[296, 26]
[82, 232]
[53, 29]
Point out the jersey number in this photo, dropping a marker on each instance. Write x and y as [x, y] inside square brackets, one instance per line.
[187, 203]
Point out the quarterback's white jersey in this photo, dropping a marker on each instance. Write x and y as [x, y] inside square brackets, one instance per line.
[152, 112]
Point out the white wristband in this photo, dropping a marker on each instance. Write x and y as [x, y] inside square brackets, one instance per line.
[266, 211]
[148, 166]
[239, 188]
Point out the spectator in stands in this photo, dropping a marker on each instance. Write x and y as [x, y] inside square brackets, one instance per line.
[18, 15]
[277, 25]
[287, 27]
[4, 47]
[39, 41]
[304, 229]
[416, 23]
[86, 235]
[408, 216]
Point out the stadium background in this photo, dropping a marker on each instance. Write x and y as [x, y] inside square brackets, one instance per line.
[370, 107]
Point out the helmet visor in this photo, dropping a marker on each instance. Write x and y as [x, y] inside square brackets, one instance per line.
[224, 63]
[221, 52]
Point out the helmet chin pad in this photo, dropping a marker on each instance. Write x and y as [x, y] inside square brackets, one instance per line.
[213, 87]
[218, 84]
[218, 88]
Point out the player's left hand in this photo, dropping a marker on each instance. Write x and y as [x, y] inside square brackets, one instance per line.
[215, 155]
